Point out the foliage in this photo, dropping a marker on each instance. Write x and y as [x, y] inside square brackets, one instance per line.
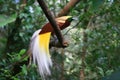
[6, 19]
[99, 19]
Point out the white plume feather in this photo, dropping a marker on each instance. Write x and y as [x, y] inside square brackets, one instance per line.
[40, 56]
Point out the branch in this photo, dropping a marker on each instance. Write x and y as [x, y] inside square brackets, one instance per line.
[68, 7]
[52, 21]
[64, 12]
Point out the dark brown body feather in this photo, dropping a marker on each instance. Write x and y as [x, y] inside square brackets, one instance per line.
[48, 28]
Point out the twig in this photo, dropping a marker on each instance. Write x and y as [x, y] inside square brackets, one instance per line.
[72, 28]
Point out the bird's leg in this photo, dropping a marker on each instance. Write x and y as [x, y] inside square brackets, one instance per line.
[55, 39]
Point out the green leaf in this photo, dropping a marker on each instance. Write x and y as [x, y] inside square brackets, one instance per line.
[14, 78]
[22, 51]
[24, 69]
[100, 70]
[4, 19]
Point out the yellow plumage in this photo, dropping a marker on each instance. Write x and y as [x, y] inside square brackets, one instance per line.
[44, 41]
[62, 19]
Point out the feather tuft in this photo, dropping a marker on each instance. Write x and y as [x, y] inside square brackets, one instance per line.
[40, 52]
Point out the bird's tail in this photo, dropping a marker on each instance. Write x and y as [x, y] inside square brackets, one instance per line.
[40, 51]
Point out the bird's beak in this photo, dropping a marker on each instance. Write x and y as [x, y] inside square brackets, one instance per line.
[74, 18]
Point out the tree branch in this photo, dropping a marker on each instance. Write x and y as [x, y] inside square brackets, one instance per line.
[68, 7]
[52, 21]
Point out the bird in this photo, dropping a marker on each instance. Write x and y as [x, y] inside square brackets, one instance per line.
[39, 44]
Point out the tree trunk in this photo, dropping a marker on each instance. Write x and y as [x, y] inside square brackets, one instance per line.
[10, 39]
[84, 49]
